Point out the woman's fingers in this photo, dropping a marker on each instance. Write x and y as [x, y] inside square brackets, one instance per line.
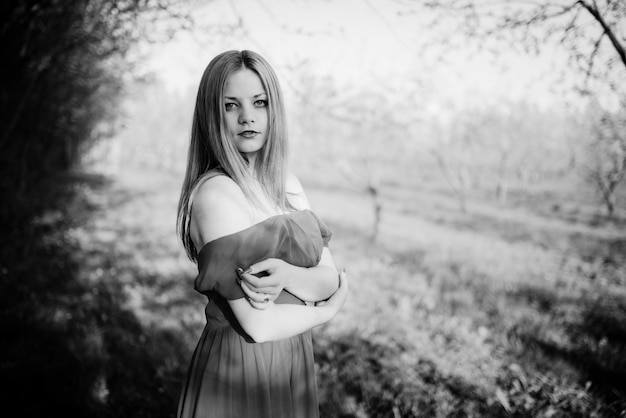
[258, 300]
[248, 279]
[252, 295]
[260, 306]
[261, 285]
[264, 265]
[251, 280]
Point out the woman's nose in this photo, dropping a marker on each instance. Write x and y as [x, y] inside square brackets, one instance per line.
[246, 115]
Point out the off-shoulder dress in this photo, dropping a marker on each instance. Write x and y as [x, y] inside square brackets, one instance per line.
[230, 375]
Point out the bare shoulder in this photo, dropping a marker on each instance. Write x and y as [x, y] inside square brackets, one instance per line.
[293, 183]
[219, 208]
[295, 192]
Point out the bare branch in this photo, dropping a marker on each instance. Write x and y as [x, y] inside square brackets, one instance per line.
[619, 48]
[592, 56]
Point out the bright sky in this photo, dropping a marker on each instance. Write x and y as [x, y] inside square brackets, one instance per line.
[357, 42]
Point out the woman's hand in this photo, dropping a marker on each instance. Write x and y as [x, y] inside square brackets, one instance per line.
[280, 321]
[262, 290]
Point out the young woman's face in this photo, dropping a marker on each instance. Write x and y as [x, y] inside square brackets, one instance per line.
[246, 108]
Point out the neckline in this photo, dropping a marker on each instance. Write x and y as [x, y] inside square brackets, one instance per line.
[247, 229]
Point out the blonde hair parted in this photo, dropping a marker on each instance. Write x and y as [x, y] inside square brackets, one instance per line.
[211, 150]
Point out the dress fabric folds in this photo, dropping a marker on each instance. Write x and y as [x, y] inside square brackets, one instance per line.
[230, 375]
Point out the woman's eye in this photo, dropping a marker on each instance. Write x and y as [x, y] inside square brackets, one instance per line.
[260, 103]
[229, 106]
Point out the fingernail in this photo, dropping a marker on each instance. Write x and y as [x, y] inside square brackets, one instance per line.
[248, 271]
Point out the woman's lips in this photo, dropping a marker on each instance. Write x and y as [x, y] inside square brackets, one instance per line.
[248, 134]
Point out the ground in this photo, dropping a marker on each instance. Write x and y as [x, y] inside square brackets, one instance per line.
[500, 311]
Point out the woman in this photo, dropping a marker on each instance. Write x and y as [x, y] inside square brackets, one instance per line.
[262, 254]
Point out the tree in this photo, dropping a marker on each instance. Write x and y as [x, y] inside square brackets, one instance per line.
[590, 31]
[605, 164]
[593, 35]
[514, 137]
[357, 134]
[362, 146]
[456, 153]
[62, 72]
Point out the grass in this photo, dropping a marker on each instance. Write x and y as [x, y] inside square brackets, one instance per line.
[498, 312]
[482, 293]
[70, 345]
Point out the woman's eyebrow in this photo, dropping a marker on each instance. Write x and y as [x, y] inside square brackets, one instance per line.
[254, 97]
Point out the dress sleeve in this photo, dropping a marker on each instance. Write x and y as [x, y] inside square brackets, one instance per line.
[325, 231]
[276, 237]
[219, 260]
[217, 270]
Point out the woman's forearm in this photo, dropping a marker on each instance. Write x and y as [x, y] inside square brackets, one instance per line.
[284, 320]
[314, 283]
[279, 321]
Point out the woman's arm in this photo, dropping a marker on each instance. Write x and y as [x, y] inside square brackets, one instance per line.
[279, 321]
[311, 284]
[219, 209]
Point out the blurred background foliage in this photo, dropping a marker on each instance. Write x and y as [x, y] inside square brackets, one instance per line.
[64, 67]
[484, 231]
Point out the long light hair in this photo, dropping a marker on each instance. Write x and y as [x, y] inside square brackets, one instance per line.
[211, 150]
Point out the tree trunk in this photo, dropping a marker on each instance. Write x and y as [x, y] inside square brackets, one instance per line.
[377, 206]
[460, 189]
[502, 184]
[608, 196]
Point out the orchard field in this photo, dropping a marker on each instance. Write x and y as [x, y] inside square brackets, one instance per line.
[499, 311]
